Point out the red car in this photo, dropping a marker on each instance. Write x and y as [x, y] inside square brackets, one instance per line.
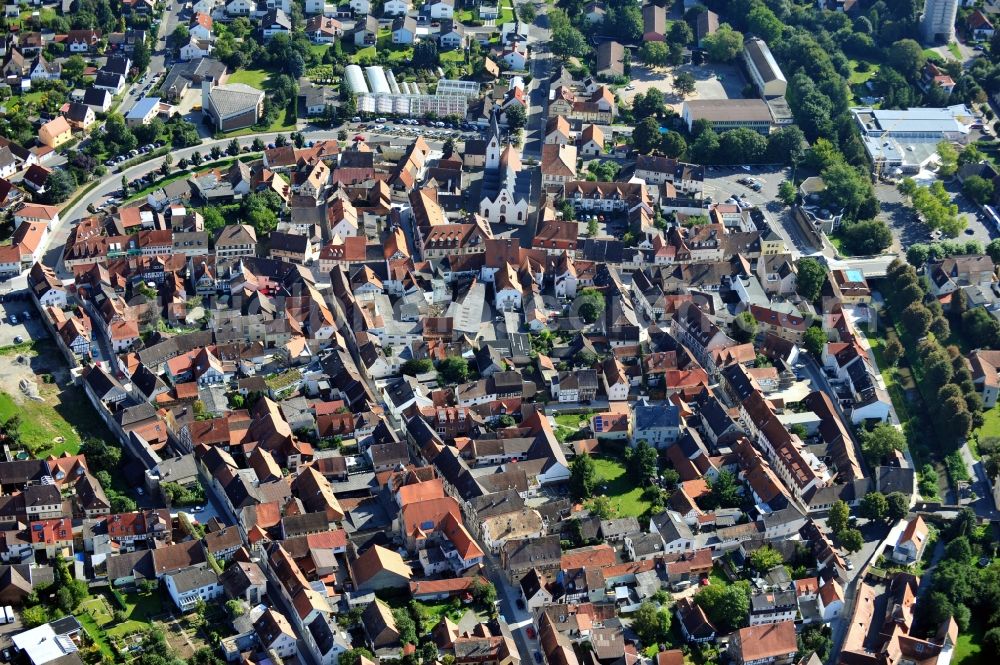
[531, 632]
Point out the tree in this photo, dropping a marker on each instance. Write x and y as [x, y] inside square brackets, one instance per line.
[980, 328]
[851, 540]
[601, 507]
[353, 656]
[684, 83]
[454, 369]
[978, 189]
[141, 56]
[917, 320]
[235, 608]
[728, 607]
[846, 187]
[724, 491]
[651, 624]
[765, 558]
[874, 506]
[815, 341]
[907, 57]
[816, 639]
[949, 159]
[838, 518]
[897, 506]
[517, 117]
[679, 33]
[415, 367]
[582, 477]
[762, 22]
[970, 154]
[72, 68]
[646, 135]
[59, 187]
[868, 237]
[642, 462]
[34, 616]
[655, 53]
[590, 305]
[484, 593]
[787, 192]
[674, 145]
[725, 44]
[181, 35]
[233, 148]
[100, 456]
[893, 351]
[705, 147]
[809, 279]
[744, 327]
[405, 625]
[649, 104]
[741, 145]
[881, 440]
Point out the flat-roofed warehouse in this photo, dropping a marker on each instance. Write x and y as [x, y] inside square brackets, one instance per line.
[725, 114]
[763, 69]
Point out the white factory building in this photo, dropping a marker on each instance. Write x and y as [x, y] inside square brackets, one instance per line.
[900, 142]
[377, 91]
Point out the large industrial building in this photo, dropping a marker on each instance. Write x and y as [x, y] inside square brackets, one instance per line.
[900, 142]
[377, 91]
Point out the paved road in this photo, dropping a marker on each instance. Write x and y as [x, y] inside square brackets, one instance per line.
[157, 60]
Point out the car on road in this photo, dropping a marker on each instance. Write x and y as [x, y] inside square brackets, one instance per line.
[18, 339]
[13, 319]
[520, 601]
[531, 632]
[197, 509]
[745, 168]
[538, 657]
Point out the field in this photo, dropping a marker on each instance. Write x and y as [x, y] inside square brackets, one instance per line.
[613, 482]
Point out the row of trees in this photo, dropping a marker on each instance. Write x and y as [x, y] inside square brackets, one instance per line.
[934, 206]
[941, 373]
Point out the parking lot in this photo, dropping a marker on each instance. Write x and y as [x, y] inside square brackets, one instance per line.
[25, 329]
[907, 230]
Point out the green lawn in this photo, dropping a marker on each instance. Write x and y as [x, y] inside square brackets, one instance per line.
[861, 77]
[251, 77]
[431, 613]
[367, 52]
[968, 650]
[891, 375]
[613, 482]
[43, 422]
[953, 49]
[454, 55]
[991, 427]
[319, 50]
